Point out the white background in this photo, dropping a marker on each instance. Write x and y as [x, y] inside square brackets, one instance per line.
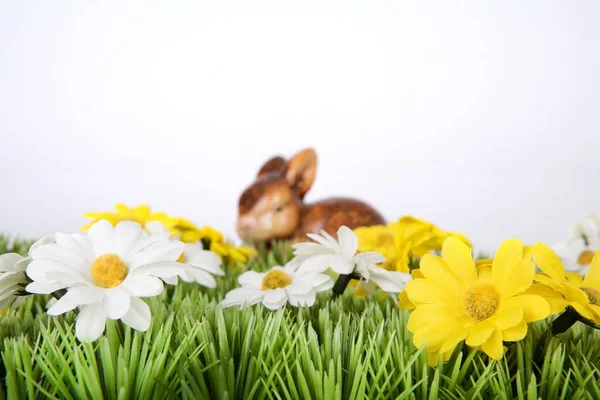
[483, 117]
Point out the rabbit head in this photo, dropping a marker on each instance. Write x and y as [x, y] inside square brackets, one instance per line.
[271, 207]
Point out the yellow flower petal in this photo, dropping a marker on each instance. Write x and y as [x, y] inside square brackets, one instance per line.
[416, 274]
[585, 311]
[517, 279]
[428, 292]
[547, 281]
[528, 252]
[557, 305]
[480, 333]
[435, 268]
[493, 346]
[434, 336]
[515, 333]
[592, 278]
[452, 340]
[596, 310]
[508, 318]
[426, 314]
[549, 262]
[434, 357]
[534, 307]
[484, 274]
[458, 257]
[573, 293]
[574, 278]
[543, 290]
[508, 255]
[404, 302]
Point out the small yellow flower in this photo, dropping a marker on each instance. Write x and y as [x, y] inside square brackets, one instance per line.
[403, 240]
[455, 301]
[141, 214]
[568, 289]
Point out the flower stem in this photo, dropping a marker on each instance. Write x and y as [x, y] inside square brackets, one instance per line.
[563, 322]
[342, 283]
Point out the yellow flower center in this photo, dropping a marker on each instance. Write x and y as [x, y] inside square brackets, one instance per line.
[481, 302]
[181, 258]
[593, 294]
[108, 271]
[276, 279]
[586, 257]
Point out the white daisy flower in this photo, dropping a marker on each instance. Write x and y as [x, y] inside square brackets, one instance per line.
[200, 264]
[12, 279]
[329, 253]
[341, 257]
[12, 276]
[276, 287]
[584, 241]
[105, 273]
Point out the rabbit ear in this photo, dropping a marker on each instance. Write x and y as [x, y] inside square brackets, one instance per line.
[301, 170]
[275, 164]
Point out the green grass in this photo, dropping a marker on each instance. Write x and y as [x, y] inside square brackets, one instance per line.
[347, 348]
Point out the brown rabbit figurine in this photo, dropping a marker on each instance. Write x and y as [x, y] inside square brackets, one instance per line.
[273, 207]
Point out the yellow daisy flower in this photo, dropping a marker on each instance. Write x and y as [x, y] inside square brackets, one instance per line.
[141, 214]
[403, 240]
[568, 289]
[455, 302]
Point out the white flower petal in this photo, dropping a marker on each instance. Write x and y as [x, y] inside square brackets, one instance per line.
[197, 275]
[369, 258]
[163, 270]
[156, 228]
[170, 280]
[138, 317]
[302, 299]
[42, 241]
[318, 263]
[333, 244]
[204, 259]
[58, 253]
[127, 235]
[143, 285]
[310, 249]
[169, 250]
[102, 237]
[348, 242]
[319, 282]
[341, 265]
[389, 281]
[251, 279]
[321, 240]
[299, 287]
[116, 302]
[90, 322]
[242, 297]
[9, 261]
[75, 297]
[77, 243]
[274, 299]
[39, 287]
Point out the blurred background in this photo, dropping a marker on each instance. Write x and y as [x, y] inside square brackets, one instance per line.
[482, 117]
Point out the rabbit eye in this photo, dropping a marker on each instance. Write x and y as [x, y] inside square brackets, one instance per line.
[278, 209]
